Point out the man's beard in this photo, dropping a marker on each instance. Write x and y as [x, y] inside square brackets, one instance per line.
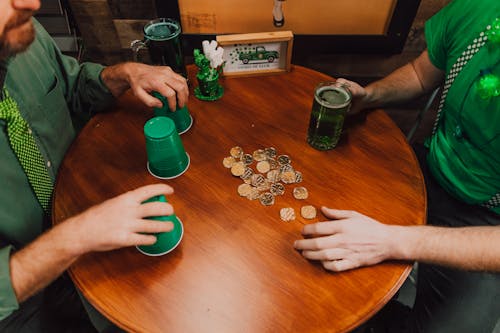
[17, 35]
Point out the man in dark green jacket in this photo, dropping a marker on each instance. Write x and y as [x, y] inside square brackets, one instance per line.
[46, 87]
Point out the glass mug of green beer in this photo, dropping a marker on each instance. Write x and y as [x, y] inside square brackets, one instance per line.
[332, 101]
[162, 38]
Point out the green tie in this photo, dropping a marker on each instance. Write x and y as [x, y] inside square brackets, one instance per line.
[24, 146]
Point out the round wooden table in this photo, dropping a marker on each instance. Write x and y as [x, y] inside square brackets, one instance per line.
[236, 269]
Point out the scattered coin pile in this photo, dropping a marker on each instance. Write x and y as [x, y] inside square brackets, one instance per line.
[265, 183]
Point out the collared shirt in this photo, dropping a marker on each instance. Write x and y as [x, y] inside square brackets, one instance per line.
[48, 87]
[464, 153]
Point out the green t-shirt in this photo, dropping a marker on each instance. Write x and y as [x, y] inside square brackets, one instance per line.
[47, 87]
[464, 153]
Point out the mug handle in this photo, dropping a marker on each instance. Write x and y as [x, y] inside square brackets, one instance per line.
[136, 46]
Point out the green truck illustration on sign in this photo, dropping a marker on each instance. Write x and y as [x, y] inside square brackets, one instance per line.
[260, 53]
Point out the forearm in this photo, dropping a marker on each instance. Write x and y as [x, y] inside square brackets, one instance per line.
[42, 261]
[468, 248]
[406, 83]
[96, 229]
[399, 86]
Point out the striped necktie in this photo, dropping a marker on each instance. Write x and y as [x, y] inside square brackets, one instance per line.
[24, 146]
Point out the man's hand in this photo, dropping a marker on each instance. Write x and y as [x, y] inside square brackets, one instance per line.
[115, 223]
[121, 221]
[143, 80]
[358, 93]
[351, 240]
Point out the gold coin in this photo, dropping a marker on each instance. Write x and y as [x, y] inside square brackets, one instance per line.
[287, 214]
[272, 163]
[236, 152]
[237, 169]
[270, 152]
[300, 193]
[287, 177]
[247, 159]
[285, 168]
[298, 176]
[244, 189]
[266, 185]
[267, 199]
[308, 212]
[228, 161]
[247, 173]
[254, 194]
[263, 166]
[257, 179]
[284, 159]
[277, 189]
[273, 176]
[259, 155]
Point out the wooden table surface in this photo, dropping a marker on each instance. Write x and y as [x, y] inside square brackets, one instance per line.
[235, 269]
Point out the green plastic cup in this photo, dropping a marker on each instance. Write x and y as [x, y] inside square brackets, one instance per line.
[167, 158]
[165, 241]
[181, 117]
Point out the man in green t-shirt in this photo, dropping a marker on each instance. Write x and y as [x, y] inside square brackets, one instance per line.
[461, 167]
[39, 89]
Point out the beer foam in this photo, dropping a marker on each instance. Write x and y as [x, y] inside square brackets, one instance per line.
[332, 97]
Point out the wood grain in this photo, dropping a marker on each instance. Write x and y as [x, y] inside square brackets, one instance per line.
[95, 23]
[340, 17]
[236, 269]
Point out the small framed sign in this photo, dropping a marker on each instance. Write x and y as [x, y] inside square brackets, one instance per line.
[257, 53]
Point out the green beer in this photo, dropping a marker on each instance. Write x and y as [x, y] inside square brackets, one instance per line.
[332, 101]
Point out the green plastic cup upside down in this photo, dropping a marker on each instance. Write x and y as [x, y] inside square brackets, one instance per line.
[181, 117]
[165, 241]
[167, 157]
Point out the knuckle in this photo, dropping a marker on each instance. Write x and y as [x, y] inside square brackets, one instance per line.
[136, 90]
[157, 82]
[330, 265]
[311, 228]
[123, 238]
[168, 209]
[336, 267]
[150, 103]
[130, 195]
[330, 255]
[317, 243]
[149, 240]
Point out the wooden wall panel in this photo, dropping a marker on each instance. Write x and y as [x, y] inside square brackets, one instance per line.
[95, 23]
[339, 17]
[133, 9]
[129, 30]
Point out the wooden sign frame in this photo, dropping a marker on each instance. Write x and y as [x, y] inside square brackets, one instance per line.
[262, 53]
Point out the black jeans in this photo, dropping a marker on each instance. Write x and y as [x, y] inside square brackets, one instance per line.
[447, 300]
[57, 309]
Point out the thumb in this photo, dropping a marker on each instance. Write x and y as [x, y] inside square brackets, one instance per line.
[356, 90]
